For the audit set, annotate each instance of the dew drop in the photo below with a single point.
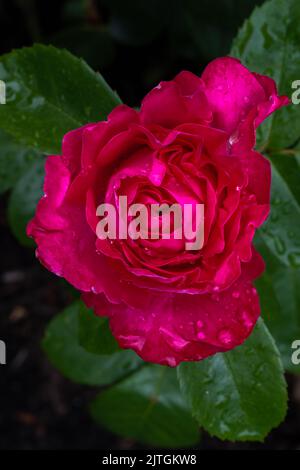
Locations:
(215, 298)
(287, 208)
(235, 294)
(171, 361)
(276, 201)
(201, 335)
(246, 319)
(225, 336)
(274, 216)
(294, 259)
(279, 246)
(233, 139)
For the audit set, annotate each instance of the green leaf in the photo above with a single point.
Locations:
(14, 161)
(23, 200)
(65, 353)
(268, 43)
(148, 407)
(281, 232)
(279, 293)
(49, 92)
(94, 333)
(241, 394)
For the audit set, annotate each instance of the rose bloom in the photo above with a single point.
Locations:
(191, 142)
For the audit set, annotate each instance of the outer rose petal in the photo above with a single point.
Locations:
(258, 170)
(233, 92)
(65, 240)
(176, 102)
(80, 147)
(171, 328)
(61, 233)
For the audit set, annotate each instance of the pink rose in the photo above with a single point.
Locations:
(192, 141)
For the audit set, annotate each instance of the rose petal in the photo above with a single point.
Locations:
(176, 102)
(236, 95)
(171, 328)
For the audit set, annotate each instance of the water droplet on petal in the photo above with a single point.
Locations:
(225, 336)
(247, 319)
(201, 335)
(136, 342)
(233, 139)
(174, 340)
(171, 361)
(235, 294)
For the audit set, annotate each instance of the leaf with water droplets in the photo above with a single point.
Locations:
(49, 92)
(14, 161)
(94, 333)
(148, 407)
(23, 200)
(240, 394)
(279, 290)
(281, 232)
(61, 343)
